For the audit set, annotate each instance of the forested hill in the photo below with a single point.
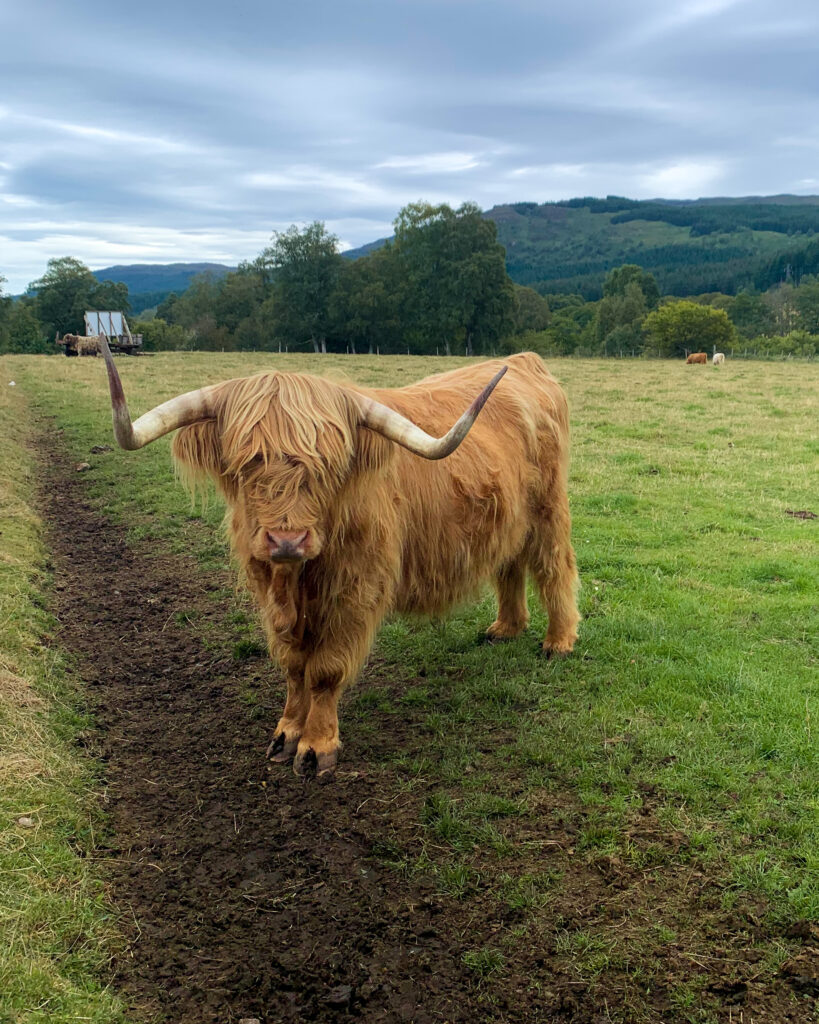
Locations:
(148, 284)
(691, 247)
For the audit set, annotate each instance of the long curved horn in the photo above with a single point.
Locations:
(398, 428)
(178, 412)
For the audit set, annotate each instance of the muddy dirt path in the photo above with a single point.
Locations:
(252, 893)
(248, 893)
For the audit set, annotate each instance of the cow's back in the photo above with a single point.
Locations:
(460, 518)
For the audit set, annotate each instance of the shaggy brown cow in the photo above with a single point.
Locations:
(336, 521)
(697, 357)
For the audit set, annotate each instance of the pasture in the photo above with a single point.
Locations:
(627, 835)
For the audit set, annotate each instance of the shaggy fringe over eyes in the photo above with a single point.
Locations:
(266, 435)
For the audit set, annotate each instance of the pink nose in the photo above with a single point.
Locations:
(284, 545)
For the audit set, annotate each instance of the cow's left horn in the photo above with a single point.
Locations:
(398, 428)
(177, 412)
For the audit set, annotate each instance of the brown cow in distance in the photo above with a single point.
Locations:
(336, 521)
(697, 357)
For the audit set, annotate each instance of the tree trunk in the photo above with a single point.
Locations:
(448, 350)
(315, 345)
(352, 347)
(469, 343)
(324, 346)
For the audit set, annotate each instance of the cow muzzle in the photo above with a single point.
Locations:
(287, 545)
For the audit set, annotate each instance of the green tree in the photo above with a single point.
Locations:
(684, 326)
(109, 295)
(160, 336)
(532, 312)
(239, 295)
(619, 319)
(629, 292)
(25, 332)
(305, 266)
(806, 300)
(166, 308)
(67, 290)
(62, 295)
(456, 292)
(750, 314)
(620, 279)
(364, 306)
(195, 310)
(782, 308)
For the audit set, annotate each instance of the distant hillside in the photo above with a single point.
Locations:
(691, 246)
(149, 283)
(365, 250)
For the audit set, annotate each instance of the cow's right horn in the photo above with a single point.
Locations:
(177, 412)
(398, 428)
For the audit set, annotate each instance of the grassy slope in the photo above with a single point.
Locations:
(55, 925)
(695, 676)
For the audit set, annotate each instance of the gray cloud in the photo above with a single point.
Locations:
(163, 132)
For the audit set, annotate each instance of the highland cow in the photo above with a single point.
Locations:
(336, 521)
(697, 357)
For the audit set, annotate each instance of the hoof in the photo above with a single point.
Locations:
(309, 765)
(555, 653)
(281, 749)
(485, 639)
(500, 632)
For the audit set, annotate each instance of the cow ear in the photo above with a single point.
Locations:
(373, 451)
(197, 455)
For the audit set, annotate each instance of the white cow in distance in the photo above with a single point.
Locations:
(719, 358)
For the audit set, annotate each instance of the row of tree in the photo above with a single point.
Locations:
(439, 286)
(632, 319)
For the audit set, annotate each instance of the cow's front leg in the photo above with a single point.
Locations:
(285, 740)
(328, 671)
(319, 744)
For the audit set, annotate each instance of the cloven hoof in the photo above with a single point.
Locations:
(310, 765)
(281, 750)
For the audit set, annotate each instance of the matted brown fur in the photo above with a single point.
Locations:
(388, 530)
(697, 357)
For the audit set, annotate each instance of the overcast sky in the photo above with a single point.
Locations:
(162, 131)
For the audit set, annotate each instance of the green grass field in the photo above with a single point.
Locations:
(693, 695)
(56, 926)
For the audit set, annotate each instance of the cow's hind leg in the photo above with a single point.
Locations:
(513, 613)
(553, 566)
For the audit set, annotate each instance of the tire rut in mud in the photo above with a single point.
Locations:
(252, 894)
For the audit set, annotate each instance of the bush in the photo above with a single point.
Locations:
(795, 345)
(160, 336)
